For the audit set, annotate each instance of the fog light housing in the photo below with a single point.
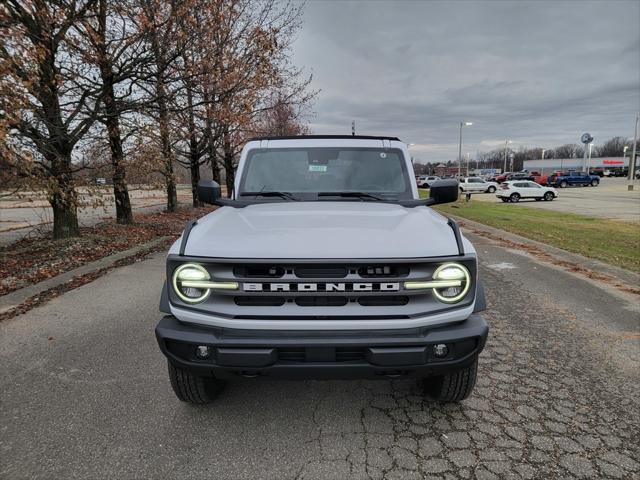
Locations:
(440, 350)
(203, 352)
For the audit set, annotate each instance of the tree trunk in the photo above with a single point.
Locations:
(172, 196)
(64, 200)
(195, 178)
(124, 214)
(210, 136)
(228, 164)
(194, 154)
(163, 119)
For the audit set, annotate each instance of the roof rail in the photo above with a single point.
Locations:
(321, 137)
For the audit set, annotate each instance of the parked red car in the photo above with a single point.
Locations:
(539, 178)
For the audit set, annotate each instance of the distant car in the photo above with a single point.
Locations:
(477, 185)
(501, 177)
(539, 178)
(514, 191)
(101, 181)
(426, 181)
(573, 178)
(520, 176)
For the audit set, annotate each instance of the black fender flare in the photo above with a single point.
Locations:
(481, 301)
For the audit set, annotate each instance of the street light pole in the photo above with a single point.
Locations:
(467, 124)
(506, 145)
(542, 167)
(632, 160)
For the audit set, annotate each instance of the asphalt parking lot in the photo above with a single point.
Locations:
(84, 394)
(610, 199)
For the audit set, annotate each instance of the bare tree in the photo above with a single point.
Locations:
(45, 109)
(112, 43)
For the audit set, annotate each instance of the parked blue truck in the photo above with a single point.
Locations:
(564, 180)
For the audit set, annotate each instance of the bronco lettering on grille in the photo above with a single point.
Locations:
(322, 287)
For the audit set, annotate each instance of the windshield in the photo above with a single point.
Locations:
(307, 172)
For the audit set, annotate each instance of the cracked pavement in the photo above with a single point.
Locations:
(84, 394)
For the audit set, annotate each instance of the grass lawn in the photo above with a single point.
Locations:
(610, 241)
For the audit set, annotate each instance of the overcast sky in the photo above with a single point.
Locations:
(539, 73)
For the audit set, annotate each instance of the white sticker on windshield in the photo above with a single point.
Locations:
(317, 168)
(383, 155)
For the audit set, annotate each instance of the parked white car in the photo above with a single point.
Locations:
(477, 185)
(514, 191)
(425, 182)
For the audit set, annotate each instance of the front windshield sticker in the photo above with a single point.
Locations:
(317, 168)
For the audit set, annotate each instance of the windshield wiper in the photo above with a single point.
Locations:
(350, 194)
(285, 195)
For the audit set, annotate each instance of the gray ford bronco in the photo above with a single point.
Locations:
(324, 263)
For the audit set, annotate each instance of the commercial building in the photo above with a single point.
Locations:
(599, 163)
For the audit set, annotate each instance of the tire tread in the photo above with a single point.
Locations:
(191, 388)
(453, 387)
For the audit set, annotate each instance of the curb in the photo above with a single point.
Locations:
(625, 276)
(16, 298)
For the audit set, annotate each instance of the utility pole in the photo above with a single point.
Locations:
(632, 160)
(467, 164)
(353, 128)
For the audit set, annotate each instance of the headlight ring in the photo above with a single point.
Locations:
(452, 272)
(190, 272)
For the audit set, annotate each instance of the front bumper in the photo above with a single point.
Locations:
(338, 354)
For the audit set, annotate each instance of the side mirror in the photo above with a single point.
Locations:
(208, 191)
(444, 191)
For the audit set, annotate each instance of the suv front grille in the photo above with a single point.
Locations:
(350, 290)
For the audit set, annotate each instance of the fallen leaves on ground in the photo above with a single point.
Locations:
(33, 260)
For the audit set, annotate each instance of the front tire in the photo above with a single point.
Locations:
(453, 387)
(514, 198)
(548, 197)
(491, 189)
(594, 183)
(192, 388)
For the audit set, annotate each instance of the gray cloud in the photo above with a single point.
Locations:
(539, 73)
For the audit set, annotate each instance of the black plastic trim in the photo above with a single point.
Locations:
(323, 137)
(481, 300)
(164, 300)
(185, 235)
(170, 331)
(456, 232)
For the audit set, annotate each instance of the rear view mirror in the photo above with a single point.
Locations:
(444, 191)
(208, 191)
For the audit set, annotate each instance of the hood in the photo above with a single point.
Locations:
(331, 230)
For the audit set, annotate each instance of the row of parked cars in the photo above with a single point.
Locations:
(508, 190)
(490, 183)
(556, 179)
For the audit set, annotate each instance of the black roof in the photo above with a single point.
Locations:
(316, 137)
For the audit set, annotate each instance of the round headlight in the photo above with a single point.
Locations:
(194, 273)
(452, 272)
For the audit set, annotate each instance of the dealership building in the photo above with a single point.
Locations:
(551, 164)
